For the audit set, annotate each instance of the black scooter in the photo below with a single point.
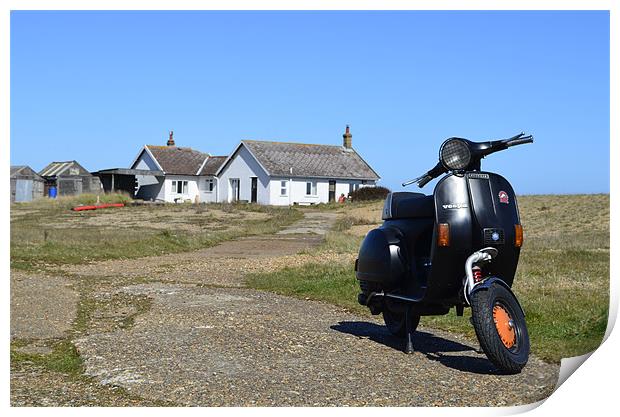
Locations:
(458, 247)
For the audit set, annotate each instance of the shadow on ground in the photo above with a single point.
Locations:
(435, 348)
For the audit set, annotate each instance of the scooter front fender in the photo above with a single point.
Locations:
(484, 285)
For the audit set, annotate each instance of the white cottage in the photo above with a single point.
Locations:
(188, 175)
(280, 173)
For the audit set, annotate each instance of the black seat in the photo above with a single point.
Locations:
(405, 205)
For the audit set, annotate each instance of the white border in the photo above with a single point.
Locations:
(591, 389)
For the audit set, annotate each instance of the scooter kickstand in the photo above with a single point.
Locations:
(409, 347)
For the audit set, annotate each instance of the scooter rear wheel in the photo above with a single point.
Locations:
(395, 322)
(501, 328)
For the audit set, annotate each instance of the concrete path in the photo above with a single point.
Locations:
(239, 347)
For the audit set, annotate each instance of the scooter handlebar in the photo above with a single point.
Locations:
(520, 141)
(425, 180)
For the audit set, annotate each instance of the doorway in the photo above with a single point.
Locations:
(254, 189)
(234, 190)
(332, 191)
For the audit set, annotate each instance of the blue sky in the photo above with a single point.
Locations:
(96, 86)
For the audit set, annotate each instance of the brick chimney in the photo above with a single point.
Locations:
(347, 138)
(170, 139)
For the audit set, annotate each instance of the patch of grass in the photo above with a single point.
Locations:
(332, 283)
(562, 280)
(344, 223)
(64, 358)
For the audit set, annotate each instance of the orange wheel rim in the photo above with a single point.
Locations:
(505, 326)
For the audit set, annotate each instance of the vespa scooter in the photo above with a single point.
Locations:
(458, 247)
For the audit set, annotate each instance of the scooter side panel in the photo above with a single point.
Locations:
(494, 209)
(452, 206)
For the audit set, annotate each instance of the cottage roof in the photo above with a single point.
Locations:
(56, 169)
(212, 165)
(306, 160)
(176, 160)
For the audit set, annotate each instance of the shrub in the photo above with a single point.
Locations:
(369, 193)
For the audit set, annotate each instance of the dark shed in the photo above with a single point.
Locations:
(26, 185)
(70, 178)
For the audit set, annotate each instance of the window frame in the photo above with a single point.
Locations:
(183, 184)
(283, 188)
(209, 185)
(313, 189)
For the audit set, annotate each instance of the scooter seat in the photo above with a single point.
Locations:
(406, 205)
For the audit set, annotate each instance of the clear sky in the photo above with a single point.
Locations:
(96, 86)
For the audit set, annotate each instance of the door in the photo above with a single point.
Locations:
(254, 189)
(23, 190)
(234, 190)
(332, 191)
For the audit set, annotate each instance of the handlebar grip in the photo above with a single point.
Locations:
(521, 141)
(425, 180)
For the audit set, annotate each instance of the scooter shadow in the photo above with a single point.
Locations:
(433, 347)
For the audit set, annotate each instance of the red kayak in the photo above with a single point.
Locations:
(100, 206)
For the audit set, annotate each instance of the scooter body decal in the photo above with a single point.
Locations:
(503, 197)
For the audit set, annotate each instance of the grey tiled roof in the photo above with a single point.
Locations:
(179, 161)
(212, 165)
(325, 161)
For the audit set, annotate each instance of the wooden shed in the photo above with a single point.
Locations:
(26, 185)
(69, 178)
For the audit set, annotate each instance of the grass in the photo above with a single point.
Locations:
(64, 357)
(562, 280)
(45, 234)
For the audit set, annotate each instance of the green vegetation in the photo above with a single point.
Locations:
(562, 281)
(46, 233)
(64, 357)
(369, 194)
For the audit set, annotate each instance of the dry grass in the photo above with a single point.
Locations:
(46, 234)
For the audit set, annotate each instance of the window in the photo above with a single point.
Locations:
(283, 187)
(311, 188)
(179, 187)
(209, 186)
(353, 187)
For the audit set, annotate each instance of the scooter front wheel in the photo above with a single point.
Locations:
(501, 328)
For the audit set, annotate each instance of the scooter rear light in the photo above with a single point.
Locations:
(443, 234)
(518, 235)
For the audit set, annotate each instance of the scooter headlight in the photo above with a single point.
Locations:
(454, 154)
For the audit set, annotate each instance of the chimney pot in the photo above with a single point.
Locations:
(170, 139)
(347, 138)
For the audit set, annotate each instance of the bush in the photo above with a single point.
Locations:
(369, 193)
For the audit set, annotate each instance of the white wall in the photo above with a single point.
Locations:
(207, 196)
(296, 190)
(149, 187)
(170, 194)
(145, 162)
(243, 166)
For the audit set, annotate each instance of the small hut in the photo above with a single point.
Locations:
(69, 178)
(26, 185)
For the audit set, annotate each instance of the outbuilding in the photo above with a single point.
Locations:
(69, 178)
(26, 185)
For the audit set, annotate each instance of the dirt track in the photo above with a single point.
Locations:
(205, 340)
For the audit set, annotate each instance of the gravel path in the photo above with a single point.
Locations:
(42, 307)
(204, 340)
(239, 347)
